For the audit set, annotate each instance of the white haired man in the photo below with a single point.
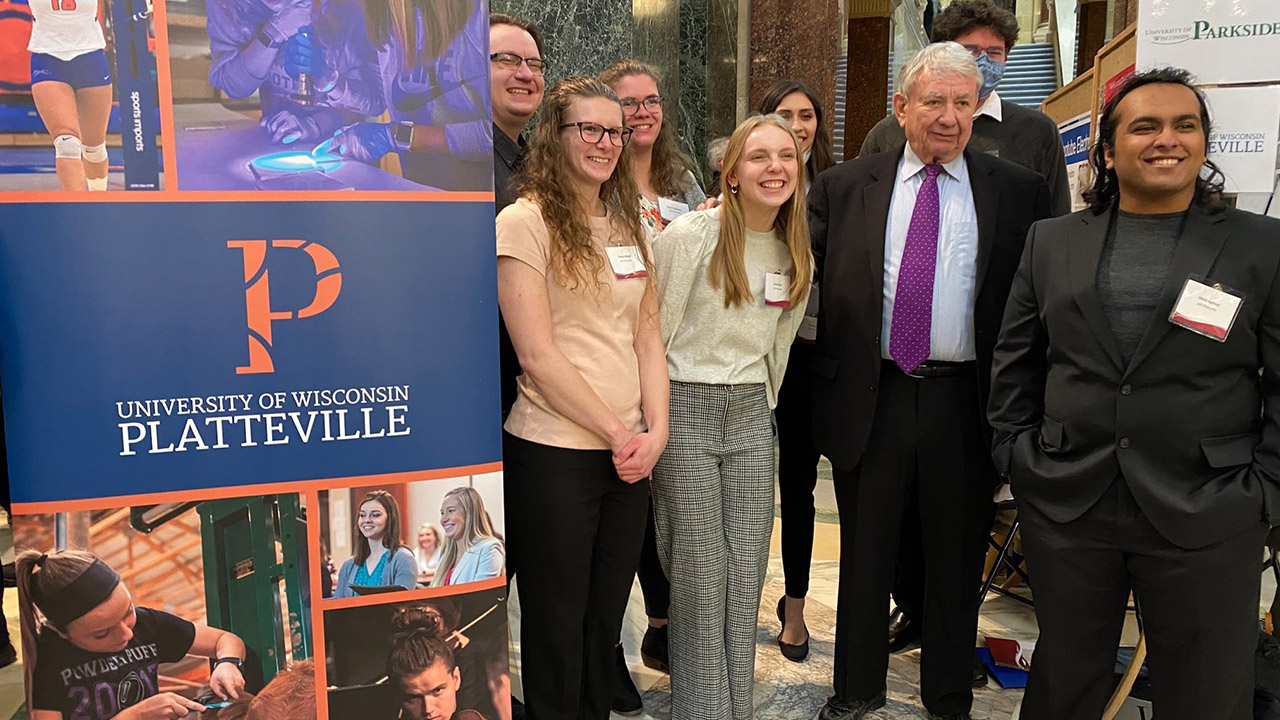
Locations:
(916, 249)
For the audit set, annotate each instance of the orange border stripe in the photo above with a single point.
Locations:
(395, 598)
(298, 486)
(176, 196)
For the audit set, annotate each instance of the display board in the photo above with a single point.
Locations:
(264, 390)
(1211, 38)
(1071, 107)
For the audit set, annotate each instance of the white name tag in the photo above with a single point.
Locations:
(1206, 308)
(626, 261)
(671, 209)
(777, 290)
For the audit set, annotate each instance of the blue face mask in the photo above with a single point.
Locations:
(992, 72)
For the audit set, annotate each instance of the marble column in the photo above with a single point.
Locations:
(582, 35)
(869, 43)
(790, 44)
(1091, 32)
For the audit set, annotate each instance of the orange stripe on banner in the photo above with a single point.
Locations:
(297, 486)
(164, 88)
(317, 621)
(394, 598)
(171, 196)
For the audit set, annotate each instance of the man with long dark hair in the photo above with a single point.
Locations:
(1137, 414)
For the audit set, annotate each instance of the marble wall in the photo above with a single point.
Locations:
(800, 45)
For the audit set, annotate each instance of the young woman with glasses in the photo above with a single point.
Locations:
(664, 174)
(733, 282)
(590, 418)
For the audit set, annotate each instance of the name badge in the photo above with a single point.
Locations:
(626, 262)
(777, 290)
(1206, 308)
(671, 209)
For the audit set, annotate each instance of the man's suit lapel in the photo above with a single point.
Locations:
(876, 197)
(1197, 248)
(1083, 255)
(986, 204)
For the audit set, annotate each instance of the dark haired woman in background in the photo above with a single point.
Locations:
(590, 417)
(797, 460)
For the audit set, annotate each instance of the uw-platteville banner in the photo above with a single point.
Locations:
(250, 389)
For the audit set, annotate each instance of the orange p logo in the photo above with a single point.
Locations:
(257, 294)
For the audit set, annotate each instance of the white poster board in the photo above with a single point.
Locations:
(1219, 42)
(1246, 129)
(1075, 146)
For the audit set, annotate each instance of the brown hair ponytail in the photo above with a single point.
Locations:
(43, 573)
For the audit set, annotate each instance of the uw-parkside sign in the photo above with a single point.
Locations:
(1219, 42)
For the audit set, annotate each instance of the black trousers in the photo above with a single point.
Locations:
(654, 584)
(926, 443)
(580, 529)
(797, 468)
(1199, 611)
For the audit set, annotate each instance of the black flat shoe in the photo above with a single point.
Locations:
(653, 649)
(794, 653)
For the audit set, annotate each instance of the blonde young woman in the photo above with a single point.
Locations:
(733, 282)
(590, 417)
(664, 175)
(472, 549)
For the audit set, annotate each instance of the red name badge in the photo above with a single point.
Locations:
(626, 262)
(1207, 308)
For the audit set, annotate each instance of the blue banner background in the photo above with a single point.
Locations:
(107, 302)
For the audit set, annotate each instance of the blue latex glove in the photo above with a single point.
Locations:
(364, 141)
(286, 127)
(303, 54)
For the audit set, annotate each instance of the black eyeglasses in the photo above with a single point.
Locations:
(591, 133)
(511, 61)
(631, 106)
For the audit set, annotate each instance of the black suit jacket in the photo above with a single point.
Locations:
(848, 213)
(1190, 423)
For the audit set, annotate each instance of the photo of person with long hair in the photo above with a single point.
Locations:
(89, 652)
(427, 553)
(472, 549)
(380, 559)
(422, 668)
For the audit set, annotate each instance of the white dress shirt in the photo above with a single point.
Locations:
(951, 335)
(991, 107)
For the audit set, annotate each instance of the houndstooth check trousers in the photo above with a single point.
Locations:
(713, 502)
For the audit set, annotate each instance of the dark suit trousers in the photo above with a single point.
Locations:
(926, 443)
(1199, 610)
(580, 528)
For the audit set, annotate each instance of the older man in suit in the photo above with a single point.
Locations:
(916, 249)
(1137, 413)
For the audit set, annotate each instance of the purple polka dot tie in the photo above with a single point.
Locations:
(913, 299)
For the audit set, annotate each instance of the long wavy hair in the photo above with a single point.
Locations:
(544, 180)
(478, 526)
(670, 164)
(821, 156)
(442, 20)
(390, 534)
(1106, 188)
(728, 266)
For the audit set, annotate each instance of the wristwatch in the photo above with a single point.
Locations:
(402, 135)
(238, 662)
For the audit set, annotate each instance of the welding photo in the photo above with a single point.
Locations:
(442, 658)
(78, 96)
(380, 95)
(184, 607)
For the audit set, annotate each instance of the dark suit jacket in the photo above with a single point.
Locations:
(848, 212)
(1190, 423)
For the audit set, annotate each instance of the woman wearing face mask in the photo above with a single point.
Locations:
(797, 460)
(90, 621)
(733, 282)
(590, 417)
(472, 549)
(663, 174)
(381, 560)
